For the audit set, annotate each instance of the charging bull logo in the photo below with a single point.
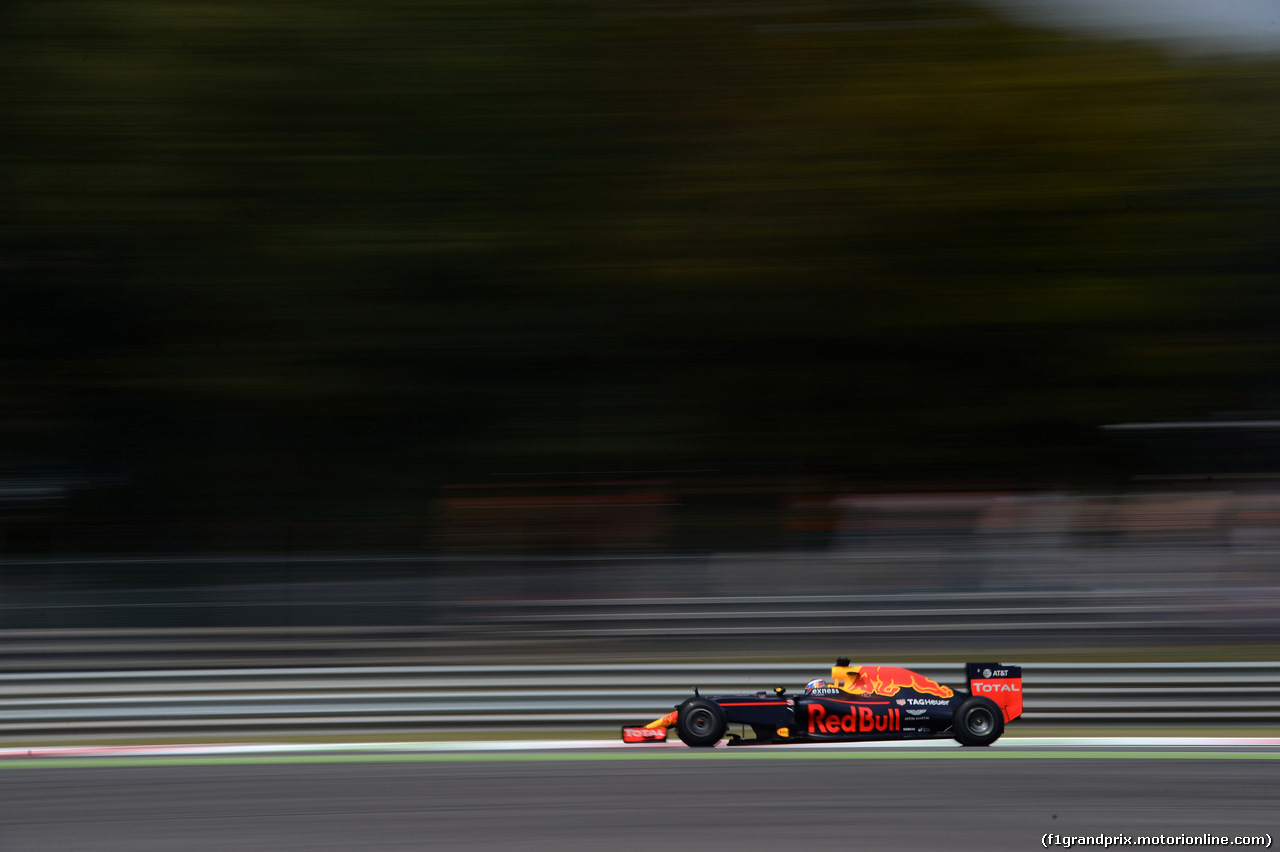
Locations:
(859, 720)
(666, 721)
(887, 680)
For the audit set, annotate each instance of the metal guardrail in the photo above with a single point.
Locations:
(400, 698)
(417, 629)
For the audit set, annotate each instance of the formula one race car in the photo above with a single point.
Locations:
(859, 703)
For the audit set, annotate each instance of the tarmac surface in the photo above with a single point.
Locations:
(597, 796)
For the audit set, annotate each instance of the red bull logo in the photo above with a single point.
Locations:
(888, 680)
(859, 720)
(666, 721)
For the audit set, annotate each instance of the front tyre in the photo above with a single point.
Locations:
(700, 723)
(978, 722)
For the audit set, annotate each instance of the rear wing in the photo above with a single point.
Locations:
(1001, 683)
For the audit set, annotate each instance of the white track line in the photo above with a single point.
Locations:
(543, 745)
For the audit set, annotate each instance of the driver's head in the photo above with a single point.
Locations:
(816, 683)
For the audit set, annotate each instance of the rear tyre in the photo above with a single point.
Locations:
(700, 723)
(978, 722)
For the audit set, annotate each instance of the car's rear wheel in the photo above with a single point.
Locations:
(978, 722)
(700, 723)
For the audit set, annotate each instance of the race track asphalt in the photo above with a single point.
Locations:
(955, 800)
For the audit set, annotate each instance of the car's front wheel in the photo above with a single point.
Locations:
(700, 723)
(978, 722)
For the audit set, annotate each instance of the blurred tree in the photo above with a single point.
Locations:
(280, 260)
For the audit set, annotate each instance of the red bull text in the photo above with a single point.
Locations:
(859, 720)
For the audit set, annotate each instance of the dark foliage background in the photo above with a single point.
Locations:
(273, 275)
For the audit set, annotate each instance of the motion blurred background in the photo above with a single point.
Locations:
(570, 330)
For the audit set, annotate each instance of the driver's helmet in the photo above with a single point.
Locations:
(816, 683)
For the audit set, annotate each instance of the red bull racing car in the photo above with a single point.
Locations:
(858, 703)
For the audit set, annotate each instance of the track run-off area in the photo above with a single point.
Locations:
(1226, 748)
(585, 794)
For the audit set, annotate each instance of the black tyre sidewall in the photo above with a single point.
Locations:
(962, 717)
(700, 708)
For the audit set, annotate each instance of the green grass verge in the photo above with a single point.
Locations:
(597, 757)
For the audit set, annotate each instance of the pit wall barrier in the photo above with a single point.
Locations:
(318, 699)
